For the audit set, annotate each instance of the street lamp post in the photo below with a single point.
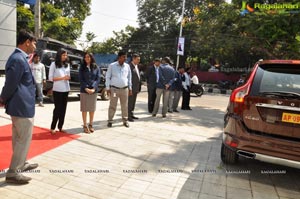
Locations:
(37, 19)
(180, 31)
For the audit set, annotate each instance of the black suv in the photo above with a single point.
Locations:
(48, 56)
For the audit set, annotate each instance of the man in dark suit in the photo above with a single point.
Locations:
(18, 97)
(136, 86)
(166, 75)
(151, 83)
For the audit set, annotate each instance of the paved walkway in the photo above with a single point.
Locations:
(156, 158)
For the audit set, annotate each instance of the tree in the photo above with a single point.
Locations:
(159, 22)
(61, 20)
(214, 31)
(90, 36)
(223, 34)
(118, 42)
(106, 47)
(159, 28)
(25, 18)
(79, 9)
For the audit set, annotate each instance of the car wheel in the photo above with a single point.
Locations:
(228, 156)
(104, 95)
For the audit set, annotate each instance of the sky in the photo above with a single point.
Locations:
(108, 16)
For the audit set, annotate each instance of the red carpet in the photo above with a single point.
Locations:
(42, 141)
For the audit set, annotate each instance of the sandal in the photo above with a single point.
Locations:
(52, 131)
(85, 129)
(91, 128)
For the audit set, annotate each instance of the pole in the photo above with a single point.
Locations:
(180, 31)
(37, 19)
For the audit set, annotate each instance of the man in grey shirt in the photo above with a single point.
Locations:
(118, 86)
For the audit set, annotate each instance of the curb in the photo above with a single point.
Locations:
(217, 90)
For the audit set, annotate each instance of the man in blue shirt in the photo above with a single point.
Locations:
(18, 96)
(118, 86)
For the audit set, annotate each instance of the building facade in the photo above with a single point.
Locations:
(8, 26)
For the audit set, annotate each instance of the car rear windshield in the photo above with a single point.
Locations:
(277, 78)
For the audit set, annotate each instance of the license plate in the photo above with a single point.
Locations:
(291, 118)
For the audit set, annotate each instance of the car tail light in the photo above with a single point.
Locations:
(238, 95)
(230, 141)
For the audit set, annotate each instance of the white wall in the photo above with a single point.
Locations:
(8, 26)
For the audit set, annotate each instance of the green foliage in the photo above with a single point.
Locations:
(106, 47)
(90, 36)
(215, 33)
(25, 18)
(112, 45)
(49, 12)
(63, 29)
(224, 35)
(61, 20)
(79, 9)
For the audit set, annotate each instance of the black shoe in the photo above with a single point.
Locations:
(176, 111)
(126, 124)
(189, 109)
(136, 118)
(183, 109)
(130, 120)
(153, 115)
(19, 179)
(28, 167)
(164, 116)
(170, 111)
(109, 124)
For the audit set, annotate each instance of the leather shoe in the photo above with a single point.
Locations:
(136, 118)
(28, 167)
(176, 111)
(164, 116)
(130, 120)
(19, 179)
(126, 124)
(109, 124)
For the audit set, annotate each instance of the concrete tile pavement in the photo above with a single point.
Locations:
(156, 158)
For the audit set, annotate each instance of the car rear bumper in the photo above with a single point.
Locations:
(260, 147)
(269, 159)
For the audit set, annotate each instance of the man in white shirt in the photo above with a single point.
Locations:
(39, 74)
(186, 84)
(194, 79)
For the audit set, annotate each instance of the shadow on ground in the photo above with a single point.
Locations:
(203, 173)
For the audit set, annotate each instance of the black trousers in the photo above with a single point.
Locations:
(60, 107)
(131, 104)
(185, 99)
(151, 99)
